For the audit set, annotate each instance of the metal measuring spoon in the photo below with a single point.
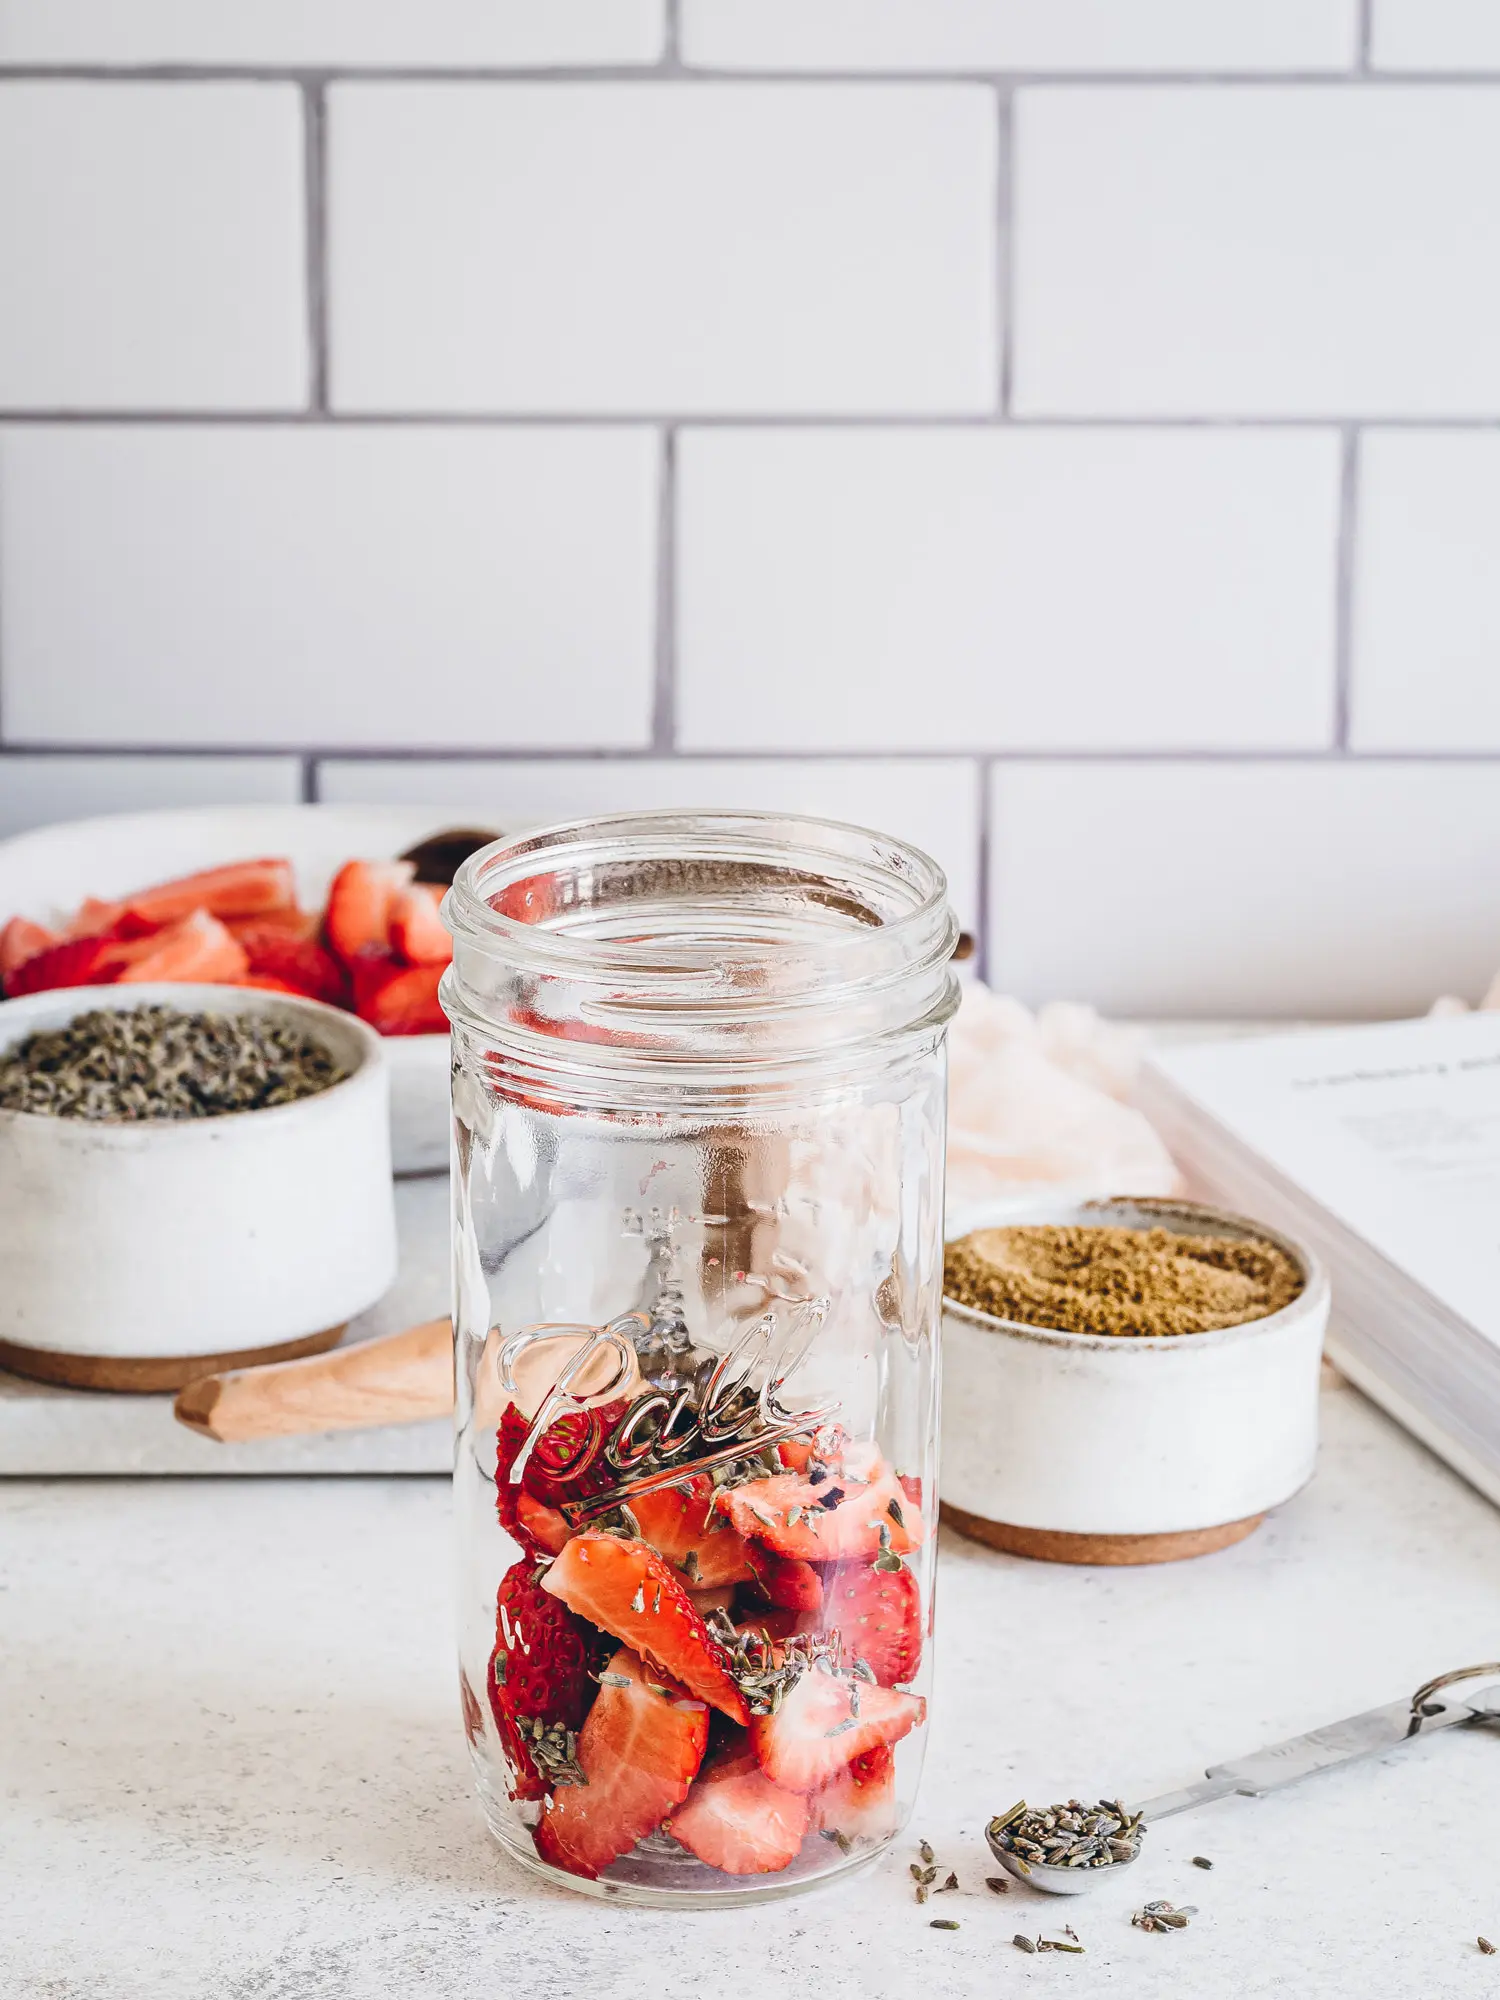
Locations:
(1346, 1742)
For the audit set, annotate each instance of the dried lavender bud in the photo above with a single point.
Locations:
(1202, 1861)
(130, 1065)
(1487, 1948)
(1023, 1943)
(941, 1924)
(997, 1885)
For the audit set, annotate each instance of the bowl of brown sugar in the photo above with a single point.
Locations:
(1125, 1381)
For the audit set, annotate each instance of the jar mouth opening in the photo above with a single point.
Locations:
(682, 893)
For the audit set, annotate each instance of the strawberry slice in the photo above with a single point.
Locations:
(397, 999)
(290, 952)
(639, 1750)
(540, 1525)
(538, 1675)
(92, 918)
(878, 1614)
(736, 1820)
(824, 1722)
(825, 1445)
(632, 1591)
(240, 889)
(683, 1524)
(197, 948)
(789, 1584)
(861, 1801)
(360, 903)
(84, 961)
(833, 1518)
(417, 933)
(22, 939)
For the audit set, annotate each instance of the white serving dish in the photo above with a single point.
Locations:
(126, 1247)
(1091, 1448)
(47, 873)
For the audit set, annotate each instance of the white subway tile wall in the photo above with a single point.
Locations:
(417, 34)
(152, 241)
(1120, 35)
(720, 247)
(1436, 35)
(35, 790)
(1059, 431)
(1255, 251)
(932, 801)
(350, 586)
(1006, 589)
(1427, 592)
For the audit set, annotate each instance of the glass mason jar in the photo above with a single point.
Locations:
(699, 1097)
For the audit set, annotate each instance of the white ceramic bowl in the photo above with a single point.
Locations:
(131, 1254)
(1092, 1448)
(46, 874)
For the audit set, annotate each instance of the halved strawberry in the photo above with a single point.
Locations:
(824, 1722)
(736, 1820)
(720, 1598)
(639, 1749)
(22, 939)
(878, 1615)
(826, 1445)
(92, 918)
(417, 933)
(239, 889)
(789, 1584)
(634, 1592)
(861, 1801)
(831, 1520)
(683, 1524)
(397, 999)
(196, 948)
(539, 1673)
(360, 903)
(84, 961)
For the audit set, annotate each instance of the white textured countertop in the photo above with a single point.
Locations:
(231, 1762)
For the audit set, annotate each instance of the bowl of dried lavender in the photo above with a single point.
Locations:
(190, 1177)
(1125, 1381)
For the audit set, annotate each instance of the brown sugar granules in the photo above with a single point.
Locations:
(1139, 1283)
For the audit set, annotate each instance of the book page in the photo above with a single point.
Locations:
(1393, 1128)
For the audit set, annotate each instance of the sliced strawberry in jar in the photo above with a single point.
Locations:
(835, 1519)
(878, 1616)
(824, 1722)
(639, 1750)
(789, 1584)
(198, 948)
(540, 1525)
(736, 1820)
(682, 1522)
(539, 1683)
(631, 1590)
(360, 905)
(417, 933)
(860, 1803)
(22, 939)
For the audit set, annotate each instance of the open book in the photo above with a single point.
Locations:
(1379, 1147)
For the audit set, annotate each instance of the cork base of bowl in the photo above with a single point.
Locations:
(1054, 1545)
(156, 1374)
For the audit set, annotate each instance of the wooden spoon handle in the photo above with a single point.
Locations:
(398, 1379)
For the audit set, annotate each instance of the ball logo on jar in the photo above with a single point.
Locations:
(664, 1433)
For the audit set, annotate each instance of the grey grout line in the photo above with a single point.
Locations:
(965, 753)
(718, 420)
(1366, 34)
(315, 168)
(671, 60)
(1344, 582)
(697, 73)
(1005, 241)
(309, 781)
(664, 687)
(982, 883)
